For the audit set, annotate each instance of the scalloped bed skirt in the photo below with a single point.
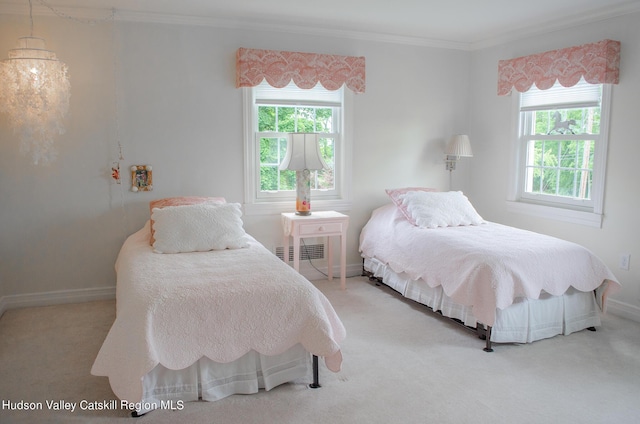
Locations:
(525, 321)
(211, 381)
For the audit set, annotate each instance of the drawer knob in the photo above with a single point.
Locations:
(321, 228)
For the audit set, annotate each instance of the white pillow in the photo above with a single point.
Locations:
(198, 228)
(440, 209)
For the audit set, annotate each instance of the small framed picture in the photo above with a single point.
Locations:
(141, 178)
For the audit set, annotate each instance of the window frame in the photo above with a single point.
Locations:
(260, 203)
(576, 211)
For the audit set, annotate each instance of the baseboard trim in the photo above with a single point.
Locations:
(624, 310)
(87, 295)
(614, 307)
(55, 298)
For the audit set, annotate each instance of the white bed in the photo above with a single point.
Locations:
(519, 285)
(211, 323)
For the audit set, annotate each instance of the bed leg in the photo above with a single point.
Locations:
(316, 380)
(487, 334)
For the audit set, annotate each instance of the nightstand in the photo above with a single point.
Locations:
(318, 224)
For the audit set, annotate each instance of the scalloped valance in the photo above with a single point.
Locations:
(598, 63)
(305, 69)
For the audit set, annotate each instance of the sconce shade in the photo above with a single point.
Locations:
(459, 146)
(34, 92)
(303, 155)
(303, 152)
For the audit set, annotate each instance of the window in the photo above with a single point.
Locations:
(561, 152)
(270, 114)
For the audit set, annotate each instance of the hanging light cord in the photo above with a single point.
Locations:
(116, 65)
(110, 17)
(31, 17)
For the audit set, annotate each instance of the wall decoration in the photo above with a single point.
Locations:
(141, 178)
(115, 172)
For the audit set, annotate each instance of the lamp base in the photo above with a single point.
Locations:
(303, 192)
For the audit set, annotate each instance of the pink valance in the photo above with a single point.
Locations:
(598, 63)
(305, 69)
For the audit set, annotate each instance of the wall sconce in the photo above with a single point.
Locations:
(459, 146)
(303, 156)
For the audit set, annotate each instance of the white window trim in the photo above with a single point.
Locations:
(515, 202)
(255, 206)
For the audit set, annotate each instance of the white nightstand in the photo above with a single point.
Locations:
(318, 224)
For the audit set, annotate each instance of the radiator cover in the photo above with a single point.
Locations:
(309, 251)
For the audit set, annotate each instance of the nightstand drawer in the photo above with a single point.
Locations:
(320, 228)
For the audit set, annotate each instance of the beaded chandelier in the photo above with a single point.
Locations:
(34, 93)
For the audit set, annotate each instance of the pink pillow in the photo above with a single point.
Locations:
(395, 194)
(180, 201)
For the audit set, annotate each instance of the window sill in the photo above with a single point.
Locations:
(274, 208)
(589, 219)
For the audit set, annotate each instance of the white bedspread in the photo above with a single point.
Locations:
(483, 266)
(173, 309)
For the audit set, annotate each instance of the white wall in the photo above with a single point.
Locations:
(179, 111)
(61, 226)
(491, 136)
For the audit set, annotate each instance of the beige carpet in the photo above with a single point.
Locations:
(402, 364)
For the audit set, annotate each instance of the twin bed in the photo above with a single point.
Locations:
(204, 311)
(510, 285)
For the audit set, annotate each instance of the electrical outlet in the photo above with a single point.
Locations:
(625, 258)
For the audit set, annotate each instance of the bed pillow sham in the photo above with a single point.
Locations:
(179, 201)
(395, 196)
(440, 209)
(198, 228)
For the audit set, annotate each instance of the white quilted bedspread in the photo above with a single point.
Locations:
(484, 266)
(173, 309)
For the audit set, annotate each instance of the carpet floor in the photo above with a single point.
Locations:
(402, 364)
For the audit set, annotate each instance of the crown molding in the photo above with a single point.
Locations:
(557, 25)
(93, 15)
(100, 15)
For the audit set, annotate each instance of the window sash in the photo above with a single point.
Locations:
(566, 207)
(581, 181)
(526, 138)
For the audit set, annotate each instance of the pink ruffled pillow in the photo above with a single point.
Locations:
(180, 201)
(395, 194)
